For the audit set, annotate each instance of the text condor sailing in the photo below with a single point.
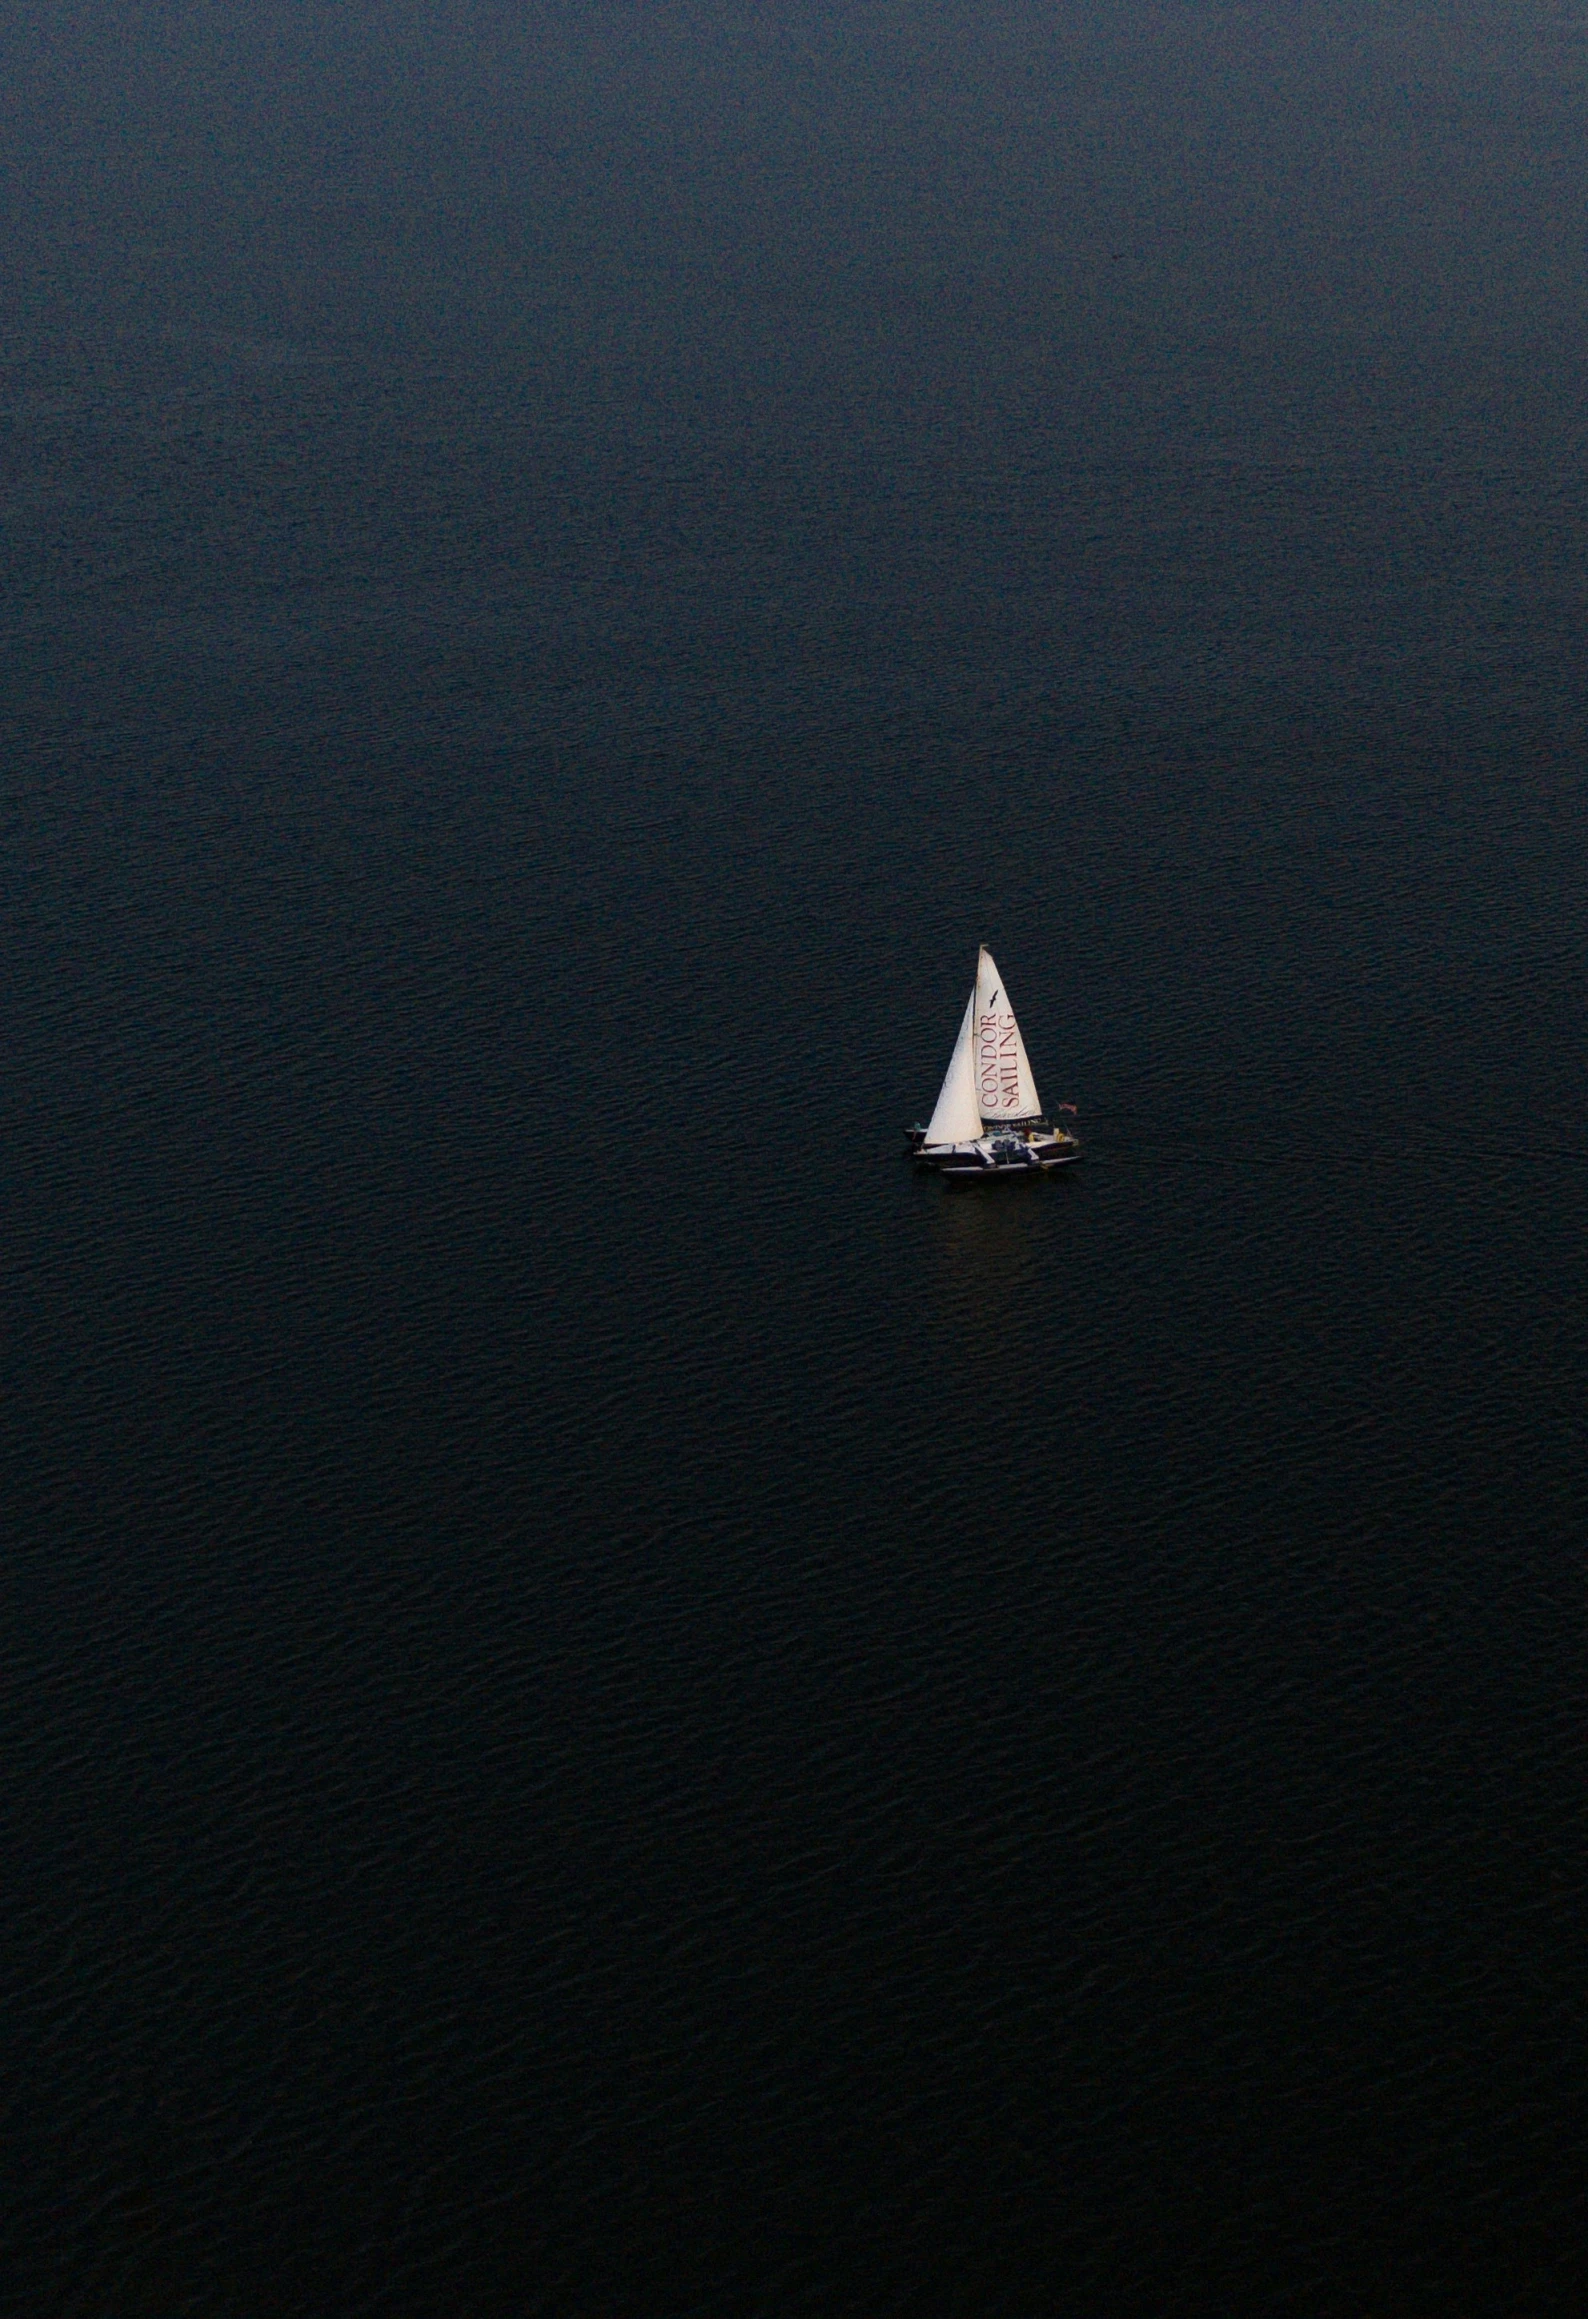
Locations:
(988, 1120)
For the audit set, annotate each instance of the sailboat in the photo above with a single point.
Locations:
(988, 1120)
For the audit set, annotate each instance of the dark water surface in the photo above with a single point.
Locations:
(614, 1705)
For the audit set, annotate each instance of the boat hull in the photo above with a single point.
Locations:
(1032, 1152)
(973, 1172)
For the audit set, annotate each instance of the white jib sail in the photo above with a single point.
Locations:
(956, 1119)
(1005, 1088)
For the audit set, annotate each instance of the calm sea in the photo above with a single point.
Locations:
(613, 1704)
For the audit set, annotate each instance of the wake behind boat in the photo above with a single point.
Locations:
(988, 1120)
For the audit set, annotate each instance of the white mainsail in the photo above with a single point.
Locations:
(1004, 1087)
(957, 1119)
